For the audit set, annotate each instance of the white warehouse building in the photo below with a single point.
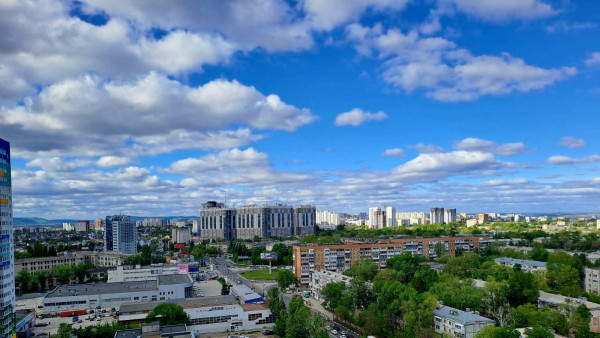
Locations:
(91, 295)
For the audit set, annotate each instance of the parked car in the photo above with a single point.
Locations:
(267, 332)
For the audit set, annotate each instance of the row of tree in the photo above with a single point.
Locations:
(295, 320)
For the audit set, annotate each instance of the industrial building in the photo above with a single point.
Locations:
(341, 257)
(92, 295)
(246, 295)
(219, 222)
(154, 330)
(132, 273)
(208, 314)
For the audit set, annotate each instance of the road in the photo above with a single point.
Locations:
(232, 274)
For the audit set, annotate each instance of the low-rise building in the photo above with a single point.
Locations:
(208, 314)
(154, 330)
(321, 278)
(103, 259)
(458, 323)
(45, 263)
(129, 273)
(526, 265)
(246, 295)
(555, 301)
(92, 295)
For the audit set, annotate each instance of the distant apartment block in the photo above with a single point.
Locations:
(321, 278)
(218, 221)
(457, 323)
(82, 226)
(526, 265)
(328, 219)
(410, 218)
(436, 215)
(483, 218)
(449, 215)
(155, 222)
(120, 234)
(341, 257)
(181, 235)
(98, 224)
(390, 217)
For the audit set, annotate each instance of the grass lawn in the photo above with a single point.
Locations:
(259, 275)
(242, 264)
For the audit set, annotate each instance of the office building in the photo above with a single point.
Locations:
(130, 273)
(82, 226)
(526, 265)
(120, 234)
(218, 221)
(208, 314)
(328, 219)
(90, 295)
(390, 217)
(458, 323)
(436, 215)
(482, 218)
(7, 248)
(341, 257)
(449, 215)
(181, 235)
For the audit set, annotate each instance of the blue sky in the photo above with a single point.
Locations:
(151, 109)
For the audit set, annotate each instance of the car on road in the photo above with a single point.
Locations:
(334, 331)
(267, 332)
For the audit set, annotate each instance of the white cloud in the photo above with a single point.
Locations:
(445, 72)
(561, 160)
(112, 161)
(394, 152)
(357, 116)
(504, 149)
(593, 60)
(426, 148)
(564, 27)
(91, 117)
(504, 10)
(572, 142)
(327, 14)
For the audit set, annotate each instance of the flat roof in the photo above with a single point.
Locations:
(135, 333)
(92, 289)
(187, 303)
(174, 279)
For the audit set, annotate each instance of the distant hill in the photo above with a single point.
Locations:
(36, 222)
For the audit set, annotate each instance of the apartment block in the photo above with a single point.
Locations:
(82, 226)
(591, 283)
(218, 221)
(457, 323)
(7, 248)
(341, 257)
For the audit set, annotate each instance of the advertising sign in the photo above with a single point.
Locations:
(183, 268)
(268, 256)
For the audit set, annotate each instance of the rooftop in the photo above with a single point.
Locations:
(462, 317)
(506, 260)
(168, 330)
(554, 299)
(185, 303)
(174, 279)
(92, 289)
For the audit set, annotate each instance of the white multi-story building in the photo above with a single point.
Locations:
(410, 217)
(591, 282)
(7, 249)
(436, 215)
(328, 219)
(90, 295)
(181, 235)
(372, 218)
(449, 215)
(390, 217)
(120, 234)
(320, 279)
(68, 226)
(458, 323)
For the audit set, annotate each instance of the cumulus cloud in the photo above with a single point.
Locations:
(357, 116)
(151, 114)
(504, 10)
(394, 152)
(327, 14)
(572, 142)
(504, 149)
(426, 148)
(562, 160)
(593, 60)
(565, 27)
(445, 72)
(112, 161)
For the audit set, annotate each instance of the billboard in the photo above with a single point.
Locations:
(183, 268)
(268, 256)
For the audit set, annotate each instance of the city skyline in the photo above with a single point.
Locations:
(479, 106)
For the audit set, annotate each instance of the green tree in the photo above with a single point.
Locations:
(424, 278)
(540, 332)
(461, 294)
(298, 319)
(539, 253)
(463, 266)
(81, 271)
(64, 331)
(491, 331)
(365, 268)
(41, 277)
(24, 278)
(525, 315)
(285, 278)
(522, 288)
(168, 314)
(333, 294)
(63, 273)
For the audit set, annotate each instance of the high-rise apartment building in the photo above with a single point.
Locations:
(7, 270)
(390, 217)
(372, 218)
(82, 226)
(328, 219)
(120, 234)
(218, 221)
(449, 215)
(482, 218)
(98, 224)
(410, 217)
(436, 215)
